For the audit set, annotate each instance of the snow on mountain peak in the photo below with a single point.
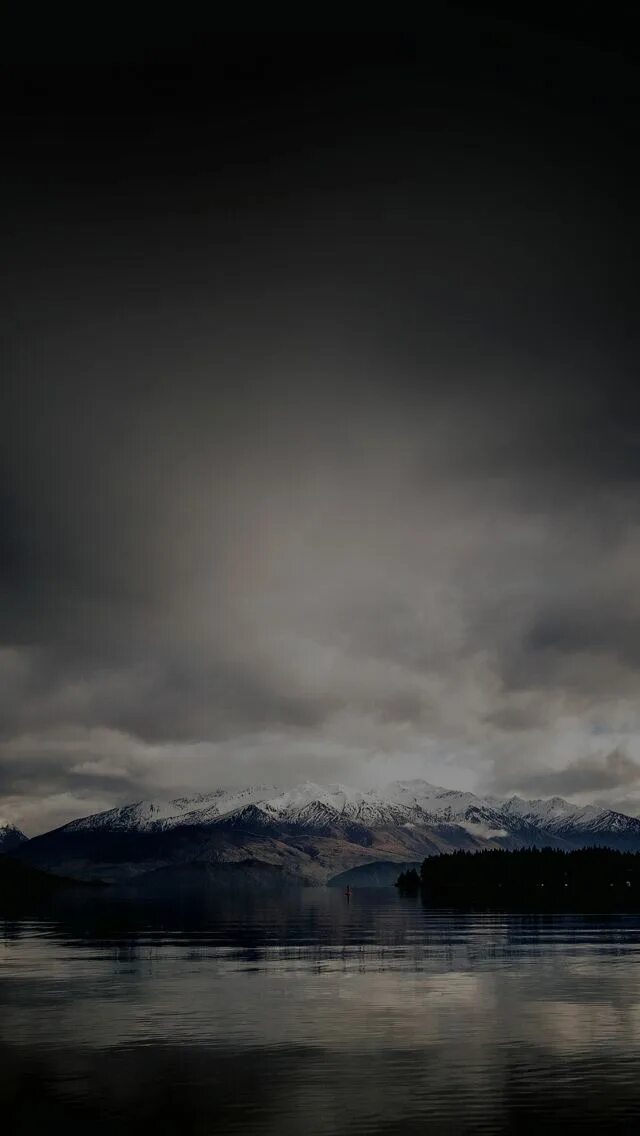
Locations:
(151, 815)
(412, 804)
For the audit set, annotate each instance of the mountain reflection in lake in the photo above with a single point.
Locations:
(305, 1013)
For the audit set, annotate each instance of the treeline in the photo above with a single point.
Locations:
(533, 877)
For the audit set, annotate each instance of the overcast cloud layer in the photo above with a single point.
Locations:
(320, 449)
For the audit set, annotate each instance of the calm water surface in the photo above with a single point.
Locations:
(308, 1014)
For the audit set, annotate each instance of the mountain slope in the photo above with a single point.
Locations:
(381, 873)
(195, 875)
(314, 832)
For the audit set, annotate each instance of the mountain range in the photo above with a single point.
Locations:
(311, 833)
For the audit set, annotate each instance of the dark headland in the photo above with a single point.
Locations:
(20, 883)
(588, 879)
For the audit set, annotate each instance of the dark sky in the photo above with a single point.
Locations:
(320, 423)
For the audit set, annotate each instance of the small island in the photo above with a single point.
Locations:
(593, 879)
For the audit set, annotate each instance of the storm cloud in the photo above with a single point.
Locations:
(319, 441)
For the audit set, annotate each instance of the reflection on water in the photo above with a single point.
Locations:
(303, 1013)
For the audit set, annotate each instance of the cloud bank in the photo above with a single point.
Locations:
(332, 477)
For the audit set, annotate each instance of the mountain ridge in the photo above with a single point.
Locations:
(398, 801)
(314, 831)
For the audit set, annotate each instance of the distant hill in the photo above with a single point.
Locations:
(380, 873)
(313, 833)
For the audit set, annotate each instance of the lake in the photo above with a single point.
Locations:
(305, 1013)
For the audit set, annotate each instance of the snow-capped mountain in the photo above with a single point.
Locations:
(315, 831)
(400, 803)
(10, 838)
(148, 816)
